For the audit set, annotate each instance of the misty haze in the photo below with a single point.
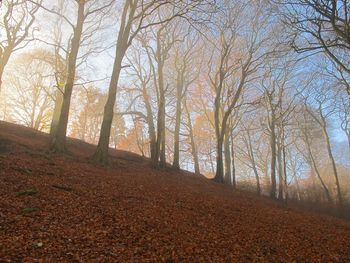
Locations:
(174, 131)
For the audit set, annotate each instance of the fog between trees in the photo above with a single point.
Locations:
(254, 94)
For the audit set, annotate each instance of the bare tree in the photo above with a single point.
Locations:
(308, 131)
(236, 65)
(17, 23)
(320, 26)
(86, 125)
(85, 10)
(194, 150)
(344, 115)
(136, 16)
(31, 95)
(144, 74)
(247, 139)
(185, 75)
(321, 107)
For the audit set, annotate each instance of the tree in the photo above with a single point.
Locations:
(85, 10)
(60, 70)
(344, 115)
(235, 60)
(250, 152)
(136, 16)
(17, 23)
(134, 140)
(320, 107)
(308, 132)
(88, 118)
(185, 54)
(30, 85)
(144, 89)
(165, 40)
(194, 150)
(320, 25)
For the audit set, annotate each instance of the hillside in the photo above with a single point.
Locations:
(61, 208)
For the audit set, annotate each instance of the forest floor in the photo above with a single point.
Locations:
(61, 208)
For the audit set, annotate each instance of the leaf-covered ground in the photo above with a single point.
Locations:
(62, 209)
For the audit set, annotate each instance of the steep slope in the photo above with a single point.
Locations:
(61, 208)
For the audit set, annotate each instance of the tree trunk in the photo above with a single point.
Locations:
(313, 163)
(160, 149)
(101, 154)
(334, 167)
(219, 174)
(2, 67)
(4, 58)
(234, 184)
(56, 112)
(162, 162)
(298, 188)
(280, 170)
(220, 135)
(219, 161)
(42, 109)
(176, 161)
(227, 153)
(285, 185)
(193, 144)
(252, 160)
(273, 162)
(58, 142)
(150, 122)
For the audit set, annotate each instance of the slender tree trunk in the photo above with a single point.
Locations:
(285, 185)
(58, 142)
(334, 166)
(2, 67)
(176, 161)
(234, 184)
(33, 110)
(258, 187)
(227, 153)
(252, 160)
(162, 162)
(233, 169)
(211, 163)
(40, 114)
(273, 161)
(193, 144)
(314, 166)
(160, 149)
(195, 156)
(219, 175)
(150, 122)
(298, 188)
(280, 170)
(152, 137)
